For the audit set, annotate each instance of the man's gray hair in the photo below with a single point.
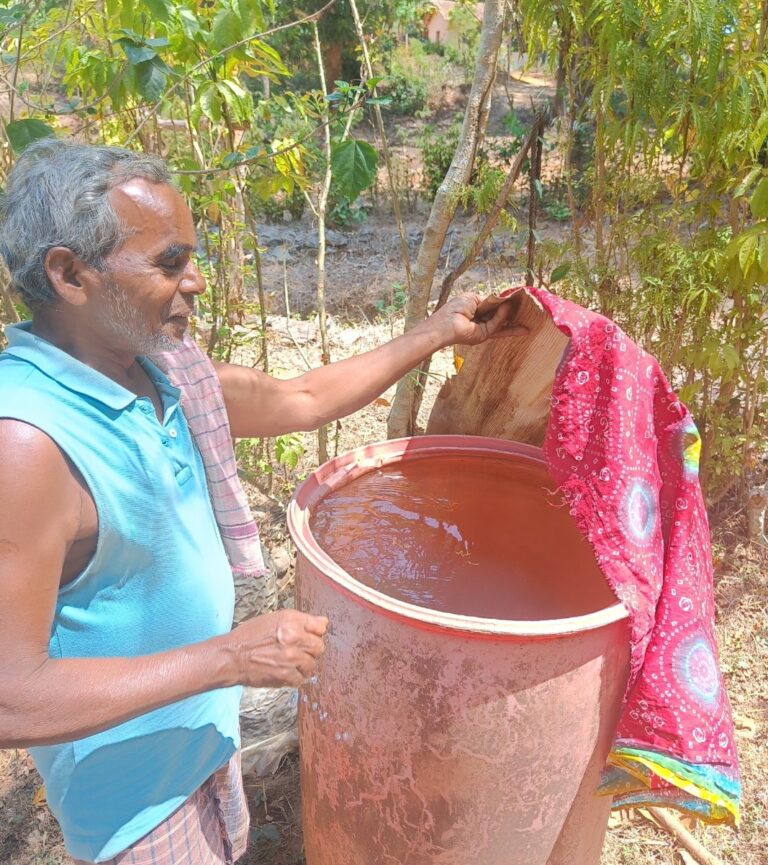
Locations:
(58, 195)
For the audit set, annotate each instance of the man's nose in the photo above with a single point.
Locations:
(193, 281)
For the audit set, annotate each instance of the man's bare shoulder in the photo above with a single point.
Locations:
(27, 438)
(32, 465)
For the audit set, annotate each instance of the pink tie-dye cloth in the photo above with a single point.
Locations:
(625, 452)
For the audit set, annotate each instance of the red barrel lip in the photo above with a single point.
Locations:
(352, 464)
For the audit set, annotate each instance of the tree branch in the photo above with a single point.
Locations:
(493, 217)
(670, 824)
(404, 252)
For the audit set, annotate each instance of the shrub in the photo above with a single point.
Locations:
(437, 149)
(414, 79)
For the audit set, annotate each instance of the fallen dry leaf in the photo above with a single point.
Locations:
(622, 817)
(745, 727)
(38, 800)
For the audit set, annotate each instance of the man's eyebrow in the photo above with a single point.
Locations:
(174, 251)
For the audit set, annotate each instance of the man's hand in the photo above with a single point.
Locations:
(459, 323)
(278, 649)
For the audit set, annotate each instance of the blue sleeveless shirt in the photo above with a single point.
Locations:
(159, 579)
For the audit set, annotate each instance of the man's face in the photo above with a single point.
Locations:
(150, 282)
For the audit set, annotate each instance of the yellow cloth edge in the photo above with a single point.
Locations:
(625, 761)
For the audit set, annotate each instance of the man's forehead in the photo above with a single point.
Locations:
(153, 209)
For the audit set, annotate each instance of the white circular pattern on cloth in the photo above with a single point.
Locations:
(697, 669)
(640, 511)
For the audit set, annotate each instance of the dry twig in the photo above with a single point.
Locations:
(672, 825)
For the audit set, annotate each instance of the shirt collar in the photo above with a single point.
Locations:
(75, 375)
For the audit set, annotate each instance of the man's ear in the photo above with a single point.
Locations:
(70, 276)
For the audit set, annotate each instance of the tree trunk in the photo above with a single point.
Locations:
(322, 207)
(534, 187)
(561, 80)
(404, 252)
(332, 62)
(757, 505)
(408, 397)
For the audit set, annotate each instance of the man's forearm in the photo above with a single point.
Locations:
(60, 700)
(259, 405)
(67, 699)
(345, 386)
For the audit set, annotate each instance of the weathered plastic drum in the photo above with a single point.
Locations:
(431, 738)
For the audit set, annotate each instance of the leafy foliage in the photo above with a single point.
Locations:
(667, 115)
(21, 133)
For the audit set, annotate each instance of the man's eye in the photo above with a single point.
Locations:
(177, 264)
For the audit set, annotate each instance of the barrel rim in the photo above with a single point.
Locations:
(344, 468)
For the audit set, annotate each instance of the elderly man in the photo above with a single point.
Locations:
(121, 670)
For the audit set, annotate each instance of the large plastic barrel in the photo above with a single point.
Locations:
(432, 738)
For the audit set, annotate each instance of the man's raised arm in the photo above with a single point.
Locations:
(259, 405)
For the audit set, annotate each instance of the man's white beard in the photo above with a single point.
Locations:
(126, 323)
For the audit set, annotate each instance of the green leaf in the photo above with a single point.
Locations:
(268, 57)
(150, 79)
(250, 13)
(762, 255)
(354, 167)
(227, 29)
(234, 87)
(161, 10)
(210, 102)
(136, 53)
(132, 35)
(759, 202)
(189, 23)
(747, 254)
(11, 15)
(21, 133)
(230, 160)
(734, 247)
(560, 272)
(289, 449)
(742, 188)
(238, 100)
(731, 357)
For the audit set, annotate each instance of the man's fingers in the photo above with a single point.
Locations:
(501, 323)
(313, 646)
(510, 330)
(307, 665)
(316, 624)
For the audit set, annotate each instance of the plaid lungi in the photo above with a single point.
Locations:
(210, 828)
